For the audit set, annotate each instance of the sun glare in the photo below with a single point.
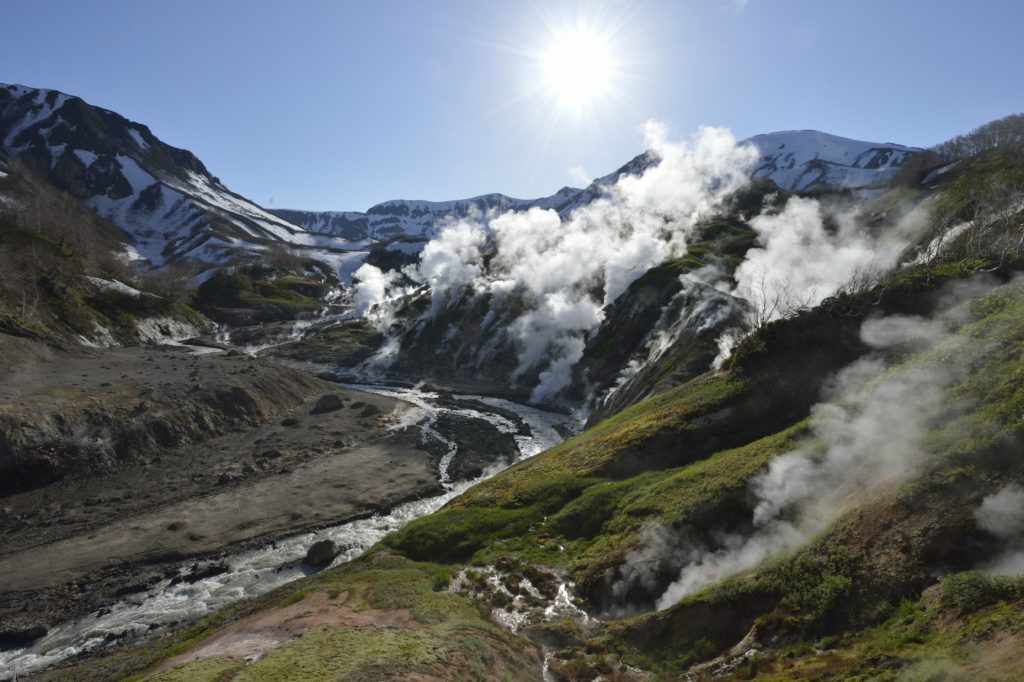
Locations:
(577, 67)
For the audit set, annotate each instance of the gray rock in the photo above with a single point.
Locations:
(228, 477)
(321, 554)
(329, 402)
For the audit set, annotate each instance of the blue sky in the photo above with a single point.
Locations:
(339, 105)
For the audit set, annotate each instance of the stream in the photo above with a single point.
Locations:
(257, 571)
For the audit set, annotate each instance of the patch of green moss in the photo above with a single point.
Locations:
(324, 653)
(204, 670)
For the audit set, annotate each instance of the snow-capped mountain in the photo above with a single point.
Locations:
(402, 218)
(172, 207)
(798, 160)
(164, 198)
(794, 160)
(420, 220)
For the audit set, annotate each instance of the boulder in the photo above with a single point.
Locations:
(321, 554)
(329, 402)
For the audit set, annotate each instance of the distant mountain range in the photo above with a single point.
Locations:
(172, 207)
(795, 160)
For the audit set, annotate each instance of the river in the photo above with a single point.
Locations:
(257, 571)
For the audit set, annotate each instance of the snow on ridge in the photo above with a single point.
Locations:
(39, 110)
(85, 156)
(137, 136)
(800, 159)
(417, 217)
(133, 173)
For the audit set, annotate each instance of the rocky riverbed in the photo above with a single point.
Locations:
(136, 474)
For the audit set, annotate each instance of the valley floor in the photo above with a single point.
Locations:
(104, 530)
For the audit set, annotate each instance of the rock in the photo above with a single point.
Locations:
(271, 454)
(21, 634)
(370, 411)
(228, 477)
(321, 554)
(329, 402)
(356, 405)
(198, 572)
(290, 422)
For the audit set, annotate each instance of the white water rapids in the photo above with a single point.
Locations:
(255, 572)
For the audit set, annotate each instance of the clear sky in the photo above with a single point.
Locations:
(339, 105)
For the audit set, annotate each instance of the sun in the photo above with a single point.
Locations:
(577, 67)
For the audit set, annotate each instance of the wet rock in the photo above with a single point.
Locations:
(21, 634)
(370, 411)
(321, 554)
(197, 573)
(328, 403)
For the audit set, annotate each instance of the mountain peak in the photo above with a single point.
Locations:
(801, 159)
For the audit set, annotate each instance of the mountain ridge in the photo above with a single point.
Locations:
(796, 160)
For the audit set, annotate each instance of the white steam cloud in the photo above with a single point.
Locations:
(866, 437)
(1002, 514)
(370, 292)
(558, 274)
(808, 252)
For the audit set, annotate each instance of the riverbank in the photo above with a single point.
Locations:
(101, 519)
(157, 535)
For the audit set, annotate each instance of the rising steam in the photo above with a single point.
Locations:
(559, 274)
(1002, 514)
(866, 435)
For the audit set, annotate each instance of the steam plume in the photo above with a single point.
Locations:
(1002, 514)
(558, 274)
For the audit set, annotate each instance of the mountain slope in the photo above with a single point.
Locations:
(164, 198)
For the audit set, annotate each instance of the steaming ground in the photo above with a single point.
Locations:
(866, 435)
(550, 279)
(1002, 514)
(547, 281)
